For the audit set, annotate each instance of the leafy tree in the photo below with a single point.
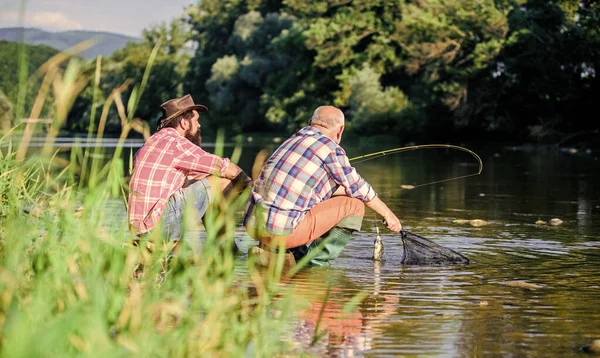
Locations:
(375, 110)
(9, 77)
(259, 66)
(544, 81)
(446, 45)
(129, 64)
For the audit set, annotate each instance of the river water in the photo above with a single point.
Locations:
(530, 289)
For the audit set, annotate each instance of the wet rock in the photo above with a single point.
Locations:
(407, 187)
(556, 221)
(523, 284)
(461, 221)
(446, 314)
(593, 348)
(478, 222)
(540, 222)
(474, 222)
(480, 303)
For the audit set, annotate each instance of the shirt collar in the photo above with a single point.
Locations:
(311, 130)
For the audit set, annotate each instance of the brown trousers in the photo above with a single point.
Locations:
(320, 219)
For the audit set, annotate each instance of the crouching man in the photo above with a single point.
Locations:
(171, 170)
(308, 196)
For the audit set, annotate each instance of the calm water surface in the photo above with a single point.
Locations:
(471, 310)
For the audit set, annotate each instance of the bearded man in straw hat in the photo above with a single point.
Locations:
(171, 169)
(308, 197)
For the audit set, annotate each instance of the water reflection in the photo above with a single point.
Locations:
(473, 310)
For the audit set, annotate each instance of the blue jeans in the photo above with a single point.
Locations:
(199, 194)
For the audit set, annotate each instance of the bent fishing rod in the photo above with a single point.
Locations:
(366, 157)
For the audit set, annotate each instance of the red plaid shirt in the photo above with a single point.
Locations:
(160, 168)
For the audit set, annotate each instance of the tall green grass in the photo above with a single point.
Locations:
(72, 282)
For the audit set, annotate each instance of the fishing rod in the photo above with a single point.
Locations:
(366, 157)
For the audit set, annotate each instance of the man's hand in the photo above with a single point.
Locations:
(392, 223)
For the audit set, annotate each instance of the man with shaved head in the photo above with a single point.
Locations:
(308, 197)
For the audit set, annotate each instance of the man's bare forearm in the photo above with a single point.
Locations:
(382, 209)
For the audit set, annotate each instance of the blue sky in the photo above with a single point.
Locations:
(127, 17)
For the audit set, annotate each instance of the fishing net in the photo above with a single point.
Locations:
(421, 251)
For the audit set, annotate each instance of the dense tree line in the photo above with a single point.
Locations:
(427, 69)
(11, 56)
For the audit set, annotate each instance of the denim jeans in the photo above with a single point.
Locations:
(198, 194)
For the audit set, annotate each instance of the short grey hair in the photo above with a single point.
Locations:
(325, 117)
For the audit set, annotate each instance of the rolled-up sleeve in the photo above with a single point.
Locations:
(198, 161)
(338, 166)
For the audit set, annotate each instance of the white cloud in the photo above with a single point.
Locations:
(51, 20)
(8, 18)
(47, 20)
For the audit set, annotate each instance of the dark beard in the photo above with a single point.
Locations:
(194, 138)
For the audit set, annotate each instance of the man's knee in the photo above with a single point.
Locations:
(357, 207)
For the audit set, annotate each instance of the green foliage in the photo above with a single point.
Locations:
(73, 284)
(374, 110)
(447, 43)
(254, 71)
(9, 76)
(430, 69)
(545, 79)
(128, 65)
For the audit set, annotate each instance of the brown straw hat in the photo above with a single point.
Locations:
(174, 107)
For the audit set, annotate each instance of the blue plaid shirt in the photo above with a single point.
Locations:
(304, 171)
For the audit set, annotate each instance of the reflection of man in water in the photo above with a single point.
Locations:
(307, 190)
(339, 333)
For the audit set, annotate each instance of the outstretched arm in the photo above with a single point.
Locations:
(391, 221)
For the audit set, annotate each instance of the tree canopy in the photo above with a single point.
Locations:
(511, 69)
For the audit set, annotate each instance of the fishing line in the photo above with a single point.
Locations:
(366, 157)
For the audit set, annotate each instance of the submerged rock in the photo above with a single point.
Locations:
(481, 303)
(523, 284)
(474, 222)
(478, 222)
(461, 221)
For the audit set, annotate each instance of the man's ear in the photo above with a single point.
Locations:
(184, 124)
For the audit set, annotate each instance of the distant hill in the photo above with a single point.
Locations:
(106, 45)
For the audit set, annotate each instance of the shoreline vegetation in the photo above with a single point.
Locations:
(73, 282)
(74, 279)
